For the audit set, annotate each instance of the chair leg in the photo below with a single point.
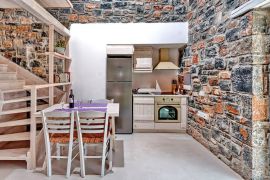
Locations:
(110, 155)
(103, 159)
(113, 133)
(82, 147)
(58, 150)
(103, 166)
(49, 161)
(69, 158)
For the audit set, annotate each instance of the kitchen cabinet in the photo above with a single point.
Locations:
(143, 112)
(142, 53)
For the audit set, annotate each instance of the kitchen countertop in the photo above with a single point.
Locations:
(154, 95)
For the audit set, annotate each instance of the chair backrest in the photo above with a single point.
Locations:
(102, 101)
(58, 122)
(92, 122)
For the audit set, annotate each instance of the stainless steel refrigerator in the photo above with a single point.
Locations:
(119, 88)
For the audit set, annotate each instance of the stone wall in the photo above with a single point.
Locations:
(117, 11)
(227, 60)
(260, 91)
(24, 39)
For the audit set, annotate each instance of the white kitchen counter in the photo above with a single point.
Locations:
(154, 95)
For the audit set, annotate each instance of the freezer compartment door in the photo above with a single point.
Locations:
(119, 69)
(121, 92)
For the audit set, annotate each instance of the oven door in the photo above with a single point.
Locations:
(167, 113)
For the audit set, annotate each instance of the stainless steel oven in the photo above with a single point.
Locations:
(167, 109)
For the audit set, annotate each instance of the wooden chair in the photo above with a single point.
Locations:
(111, 119)
(93, 128)
(58, 129)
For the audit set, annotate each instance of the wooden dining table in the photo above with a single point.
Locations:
(112, 109)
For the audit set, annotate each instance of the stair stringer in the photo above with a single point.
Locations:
(29, 77)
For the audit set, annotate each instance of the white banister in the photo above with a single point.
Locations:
(33, 129)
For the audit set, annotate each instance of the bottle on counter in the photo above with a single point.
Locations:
(174, 86)
(71, 99)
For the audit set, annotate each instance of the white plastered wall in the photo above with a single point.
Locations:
(88, 49)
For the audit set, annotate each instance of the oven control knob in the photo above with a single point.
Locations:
(163, 99)
(171, 99)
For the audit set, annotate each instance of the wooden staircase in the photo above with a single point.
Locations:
(14, 115)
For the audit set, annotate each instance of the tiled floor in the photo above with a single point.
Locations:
(149, 156)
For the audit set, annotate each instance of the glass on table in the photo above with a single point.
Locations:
(62, 104)
(80, 103)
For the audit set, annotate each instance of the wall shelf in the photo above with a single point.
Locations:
(58, 55)
(142, 70)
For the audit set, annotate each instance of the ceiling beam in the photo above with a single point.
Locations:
(55, 3)
(248, 6)
(43, 3)
(42, 14)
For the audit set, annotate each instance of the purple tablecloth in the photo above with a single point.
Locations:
(86, 107)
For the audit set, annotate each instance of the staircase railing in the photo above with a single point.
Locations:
(33, 123)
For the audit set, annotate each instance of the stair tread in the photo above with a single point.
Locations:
(8, 76)
(11, 81)
(4, 65)
(13, 90)
(21, 110)
(20, 122)
(8, 72)
(28, 98)
(14, 154)
(22, 136)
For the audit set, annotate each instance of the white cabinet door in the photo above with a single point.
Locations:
(143, 108)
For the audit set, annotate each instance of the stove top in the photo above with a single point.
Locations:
(155, 93)
(167, 93)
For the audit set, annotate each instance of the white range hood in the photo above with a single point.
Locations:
(165, 63)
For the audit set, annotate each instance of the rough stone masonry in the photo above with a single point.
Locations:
(24, 40)
(125, 11)
(228, 60)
